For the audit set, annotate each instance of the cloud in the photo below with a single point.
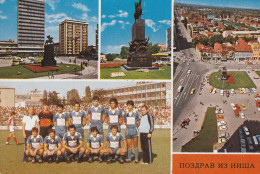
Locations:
(104, 25)
(151, 24)
(2, 17)
(56, 18)
(123, 24)
(104, 16)
(53, 31)
(88, 19)
(80, 7)
(52, 3)
(113, 49)
(111, 16)
(2, 1)
(167, 22)
(122, 14)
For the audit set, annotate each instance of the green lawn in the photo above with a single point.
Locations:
(208, 135)
(11, 72)
(241, 77)
(163, 73)
(258, 73)
(11, 159)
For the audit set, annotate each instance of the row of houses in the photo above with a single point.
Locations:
(226, 51)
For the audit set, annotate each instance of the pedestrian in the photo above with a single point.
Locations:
(146, 128)
(29, 121)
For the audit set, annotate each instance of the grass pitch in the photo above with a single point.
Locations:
(241, 77)
(11, 72)
(11, 159)
(208, 135)
(164, 74)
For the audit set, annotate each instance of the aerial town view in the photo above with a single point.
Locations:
(42, 39)
(135, 40)
(216, 77)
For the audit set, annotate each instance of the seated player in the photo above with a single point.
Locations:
(34, 145)
(94, 145)
(114, 138)
(72, 144)
(52, 146)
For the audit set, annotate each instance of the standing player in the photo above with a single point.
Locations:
(29, 121)
(46, 118)
(35, 145)
(94, 145)
(10, 126)
(146, 128)
(72, 144)
(114, 138)
(78, 119)
(132, 121)
(96, 116)
(114, 115)
(60, 121)
(52, 146)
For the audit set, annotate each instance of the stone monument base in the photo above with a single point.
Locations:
(139, 59)
(128, 68)
(48, 58)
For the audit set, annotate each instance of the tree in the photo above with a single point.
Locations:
(73, 96)
(124, 52)
(53, 98)
(153, 49)
(195, 41)
(87, 94)
(101, 94)
(45, 97)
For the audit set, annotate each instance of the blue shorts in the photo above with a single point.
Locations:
(114, 150)
(131, 133)
(99, 127)
(109, 128)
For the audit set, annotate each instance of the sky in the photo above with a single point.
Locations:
(249, 4)
(117, 17)
(62, 87)
(55, 12)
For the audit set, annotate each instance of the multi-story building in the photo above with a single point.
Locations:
(33, 98)
(243, 51)
(169, 38)
(246, 34)
(30, 27)
(73, 37)
(7, 97)
(256, 51)
(148, 93)
(8, 48)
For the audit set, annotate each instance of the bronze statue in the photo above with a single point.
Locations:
(49, 41)
(138, 10)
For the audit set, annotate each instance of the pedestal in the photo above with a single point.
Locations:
(48, 59)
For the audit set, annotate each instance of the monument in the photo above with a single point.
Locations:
(48, 58)
(224, 75)
(138, 56)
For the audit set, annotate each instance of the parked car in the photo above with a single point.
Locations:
(192, 91)
(232, 91)
(255, 141)
(219, 111)
(246, 130)
(222, 92)
(233, 106)
(240, 132)
(223, 128)
(210, 90)
(243, 145)
(242, 115)
(238, 107)
(221, 123)
(243, 106)
(223, 135)
(222, 140)
(220, 116)
(250, 143)
(236, 113)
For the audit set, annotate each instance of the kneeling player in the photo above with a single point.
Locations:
(94, 145)
(35, 145)
(52, 146)
(114, 138)
(72, 144)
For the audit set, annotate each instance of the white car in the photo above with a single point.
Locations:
(232, 91)
(189, 71)
(244, 90)
(214, 91)
(254, 90)
(233, 106)
(246, 130)
(258, 109)
(223, 128)
(219, 111)
(242, 115)
(222, 140)
(222, 92)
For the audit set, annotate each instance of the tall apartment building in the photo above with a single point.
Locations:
(149, 93)
(73, 37)
(30, 27)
